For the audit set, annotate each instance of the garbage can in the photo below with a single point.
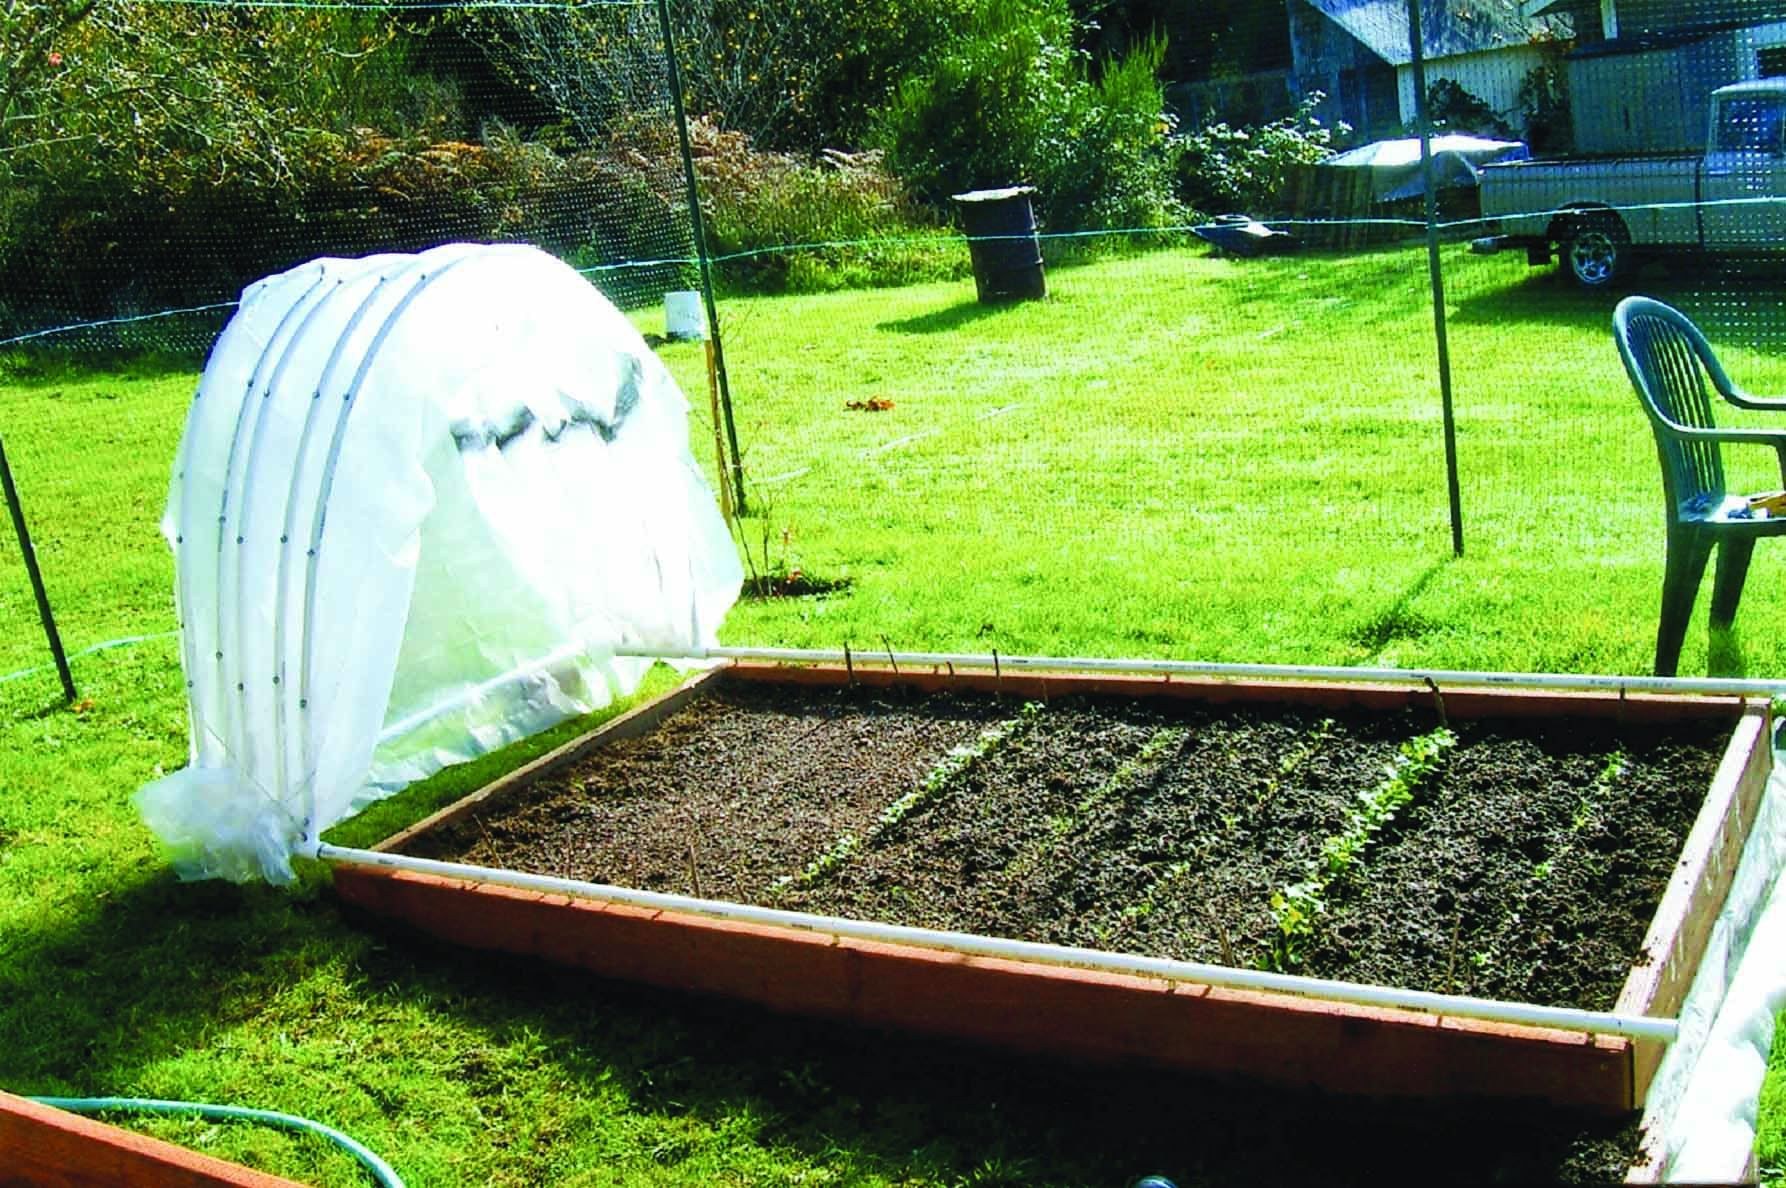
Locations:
(1007, 256)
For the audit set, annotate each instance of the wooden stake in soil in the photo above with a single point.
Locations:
(1221, 936)
(719, 445)
(694, 870)
(1457, 923)
(1438, 701)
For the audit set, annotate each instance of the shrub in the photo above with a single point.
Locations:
(114, 253)
(1450, 107)
(804, 75)
(1224, 168)
(795, 223)
(1012, 102)
(1544, 104)
(1123, 170)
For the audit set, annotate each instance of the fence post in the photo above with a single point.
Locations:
(1417, 43)
(30, 555)
(717, 346)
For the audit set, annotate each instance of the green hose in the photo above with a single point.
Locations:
(381, 1171)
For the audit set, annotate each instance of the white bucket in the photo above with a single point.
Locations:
(684, 317)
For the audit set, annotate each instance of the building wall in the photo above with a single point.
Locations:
(1655, 101)
(1493, 76)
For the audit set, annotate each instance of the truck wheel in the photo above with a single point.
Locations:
(1596, 251)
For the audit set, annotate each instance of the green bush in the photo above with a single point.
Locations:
(794, 223)
(1453, 108)
(1013, 103)
(1124, 169)
(1544, 105)
(1224, 168)
(803, 75)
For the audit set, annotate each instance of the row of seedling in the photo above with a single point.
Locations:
(954, 766)
(1567, 847)
(1164, 886)
(1298, 907)
(1160, 746)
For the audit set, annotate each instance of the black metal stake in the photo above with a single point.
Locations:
(701, 253)
(1417, 43)
(30, 555)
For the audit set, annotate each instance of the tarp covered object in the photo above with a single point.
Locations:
(1395, 170)
(418, 503)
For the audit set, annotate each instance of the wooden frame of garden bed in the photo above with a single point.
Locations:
(1101, 1015)
(50, 1147)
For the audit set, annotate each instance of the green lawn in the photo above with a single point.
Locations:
(1172, 456)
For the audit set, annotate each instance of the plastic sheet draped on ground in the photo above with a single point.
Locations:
(418, 503)
(1703, 1104)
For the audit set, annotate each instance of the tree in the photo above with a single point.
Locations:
(1205, 38)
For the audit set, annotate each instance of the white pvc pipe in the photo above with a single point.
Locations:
(969, 944)
(1715, 686)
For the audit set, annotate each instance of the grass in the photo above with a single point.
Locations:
(1173, 455)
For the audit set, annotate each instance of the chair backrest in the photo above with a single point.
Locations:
(1669, 362)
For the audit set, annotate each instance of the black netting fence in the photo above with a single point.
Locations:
(1222, 431)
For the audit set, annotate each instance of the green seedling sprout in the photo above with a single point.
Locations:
(1297, 907)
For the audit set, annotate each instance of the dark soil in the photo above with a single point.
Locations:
(1525, 868)
(722, 797)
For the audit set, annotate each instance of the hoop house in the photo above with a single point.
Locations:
(419, 502)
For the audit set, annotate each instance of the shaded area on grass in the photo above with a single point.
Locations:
(928, 1112)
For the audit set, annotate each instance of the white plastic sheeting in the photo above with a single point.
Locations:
(1701, 1114)
(419, 502)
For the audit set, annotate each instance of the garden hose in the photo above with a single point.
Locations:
(381, 1171)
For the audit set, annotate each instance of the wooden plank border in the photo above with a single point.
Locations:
(1089, 1014)
(1682, 926)
(1459, 702)
(52, 1148)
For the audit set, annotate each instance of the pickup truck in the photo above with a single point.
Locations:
(1601, 217)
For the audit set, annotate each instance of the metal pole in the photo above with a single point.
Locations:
(30, 555)
(1417, 43)
(701, 254)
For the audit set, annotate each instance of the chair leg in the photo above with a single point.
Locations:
(1688, 553)
(1727, 586)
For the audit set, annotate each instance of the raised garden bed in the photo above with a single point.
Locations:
(1559, 849)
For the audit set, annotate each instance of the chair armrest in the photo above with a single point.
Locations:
(1768, 437)
(1748, 400)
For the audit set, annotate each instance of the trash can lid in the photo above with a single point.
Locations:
(993, 195)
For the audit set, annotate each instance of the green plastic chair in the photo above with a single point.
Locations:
(1669, 362)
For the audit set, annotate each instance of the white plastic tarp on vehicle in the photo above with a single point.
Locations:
(419, 502)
